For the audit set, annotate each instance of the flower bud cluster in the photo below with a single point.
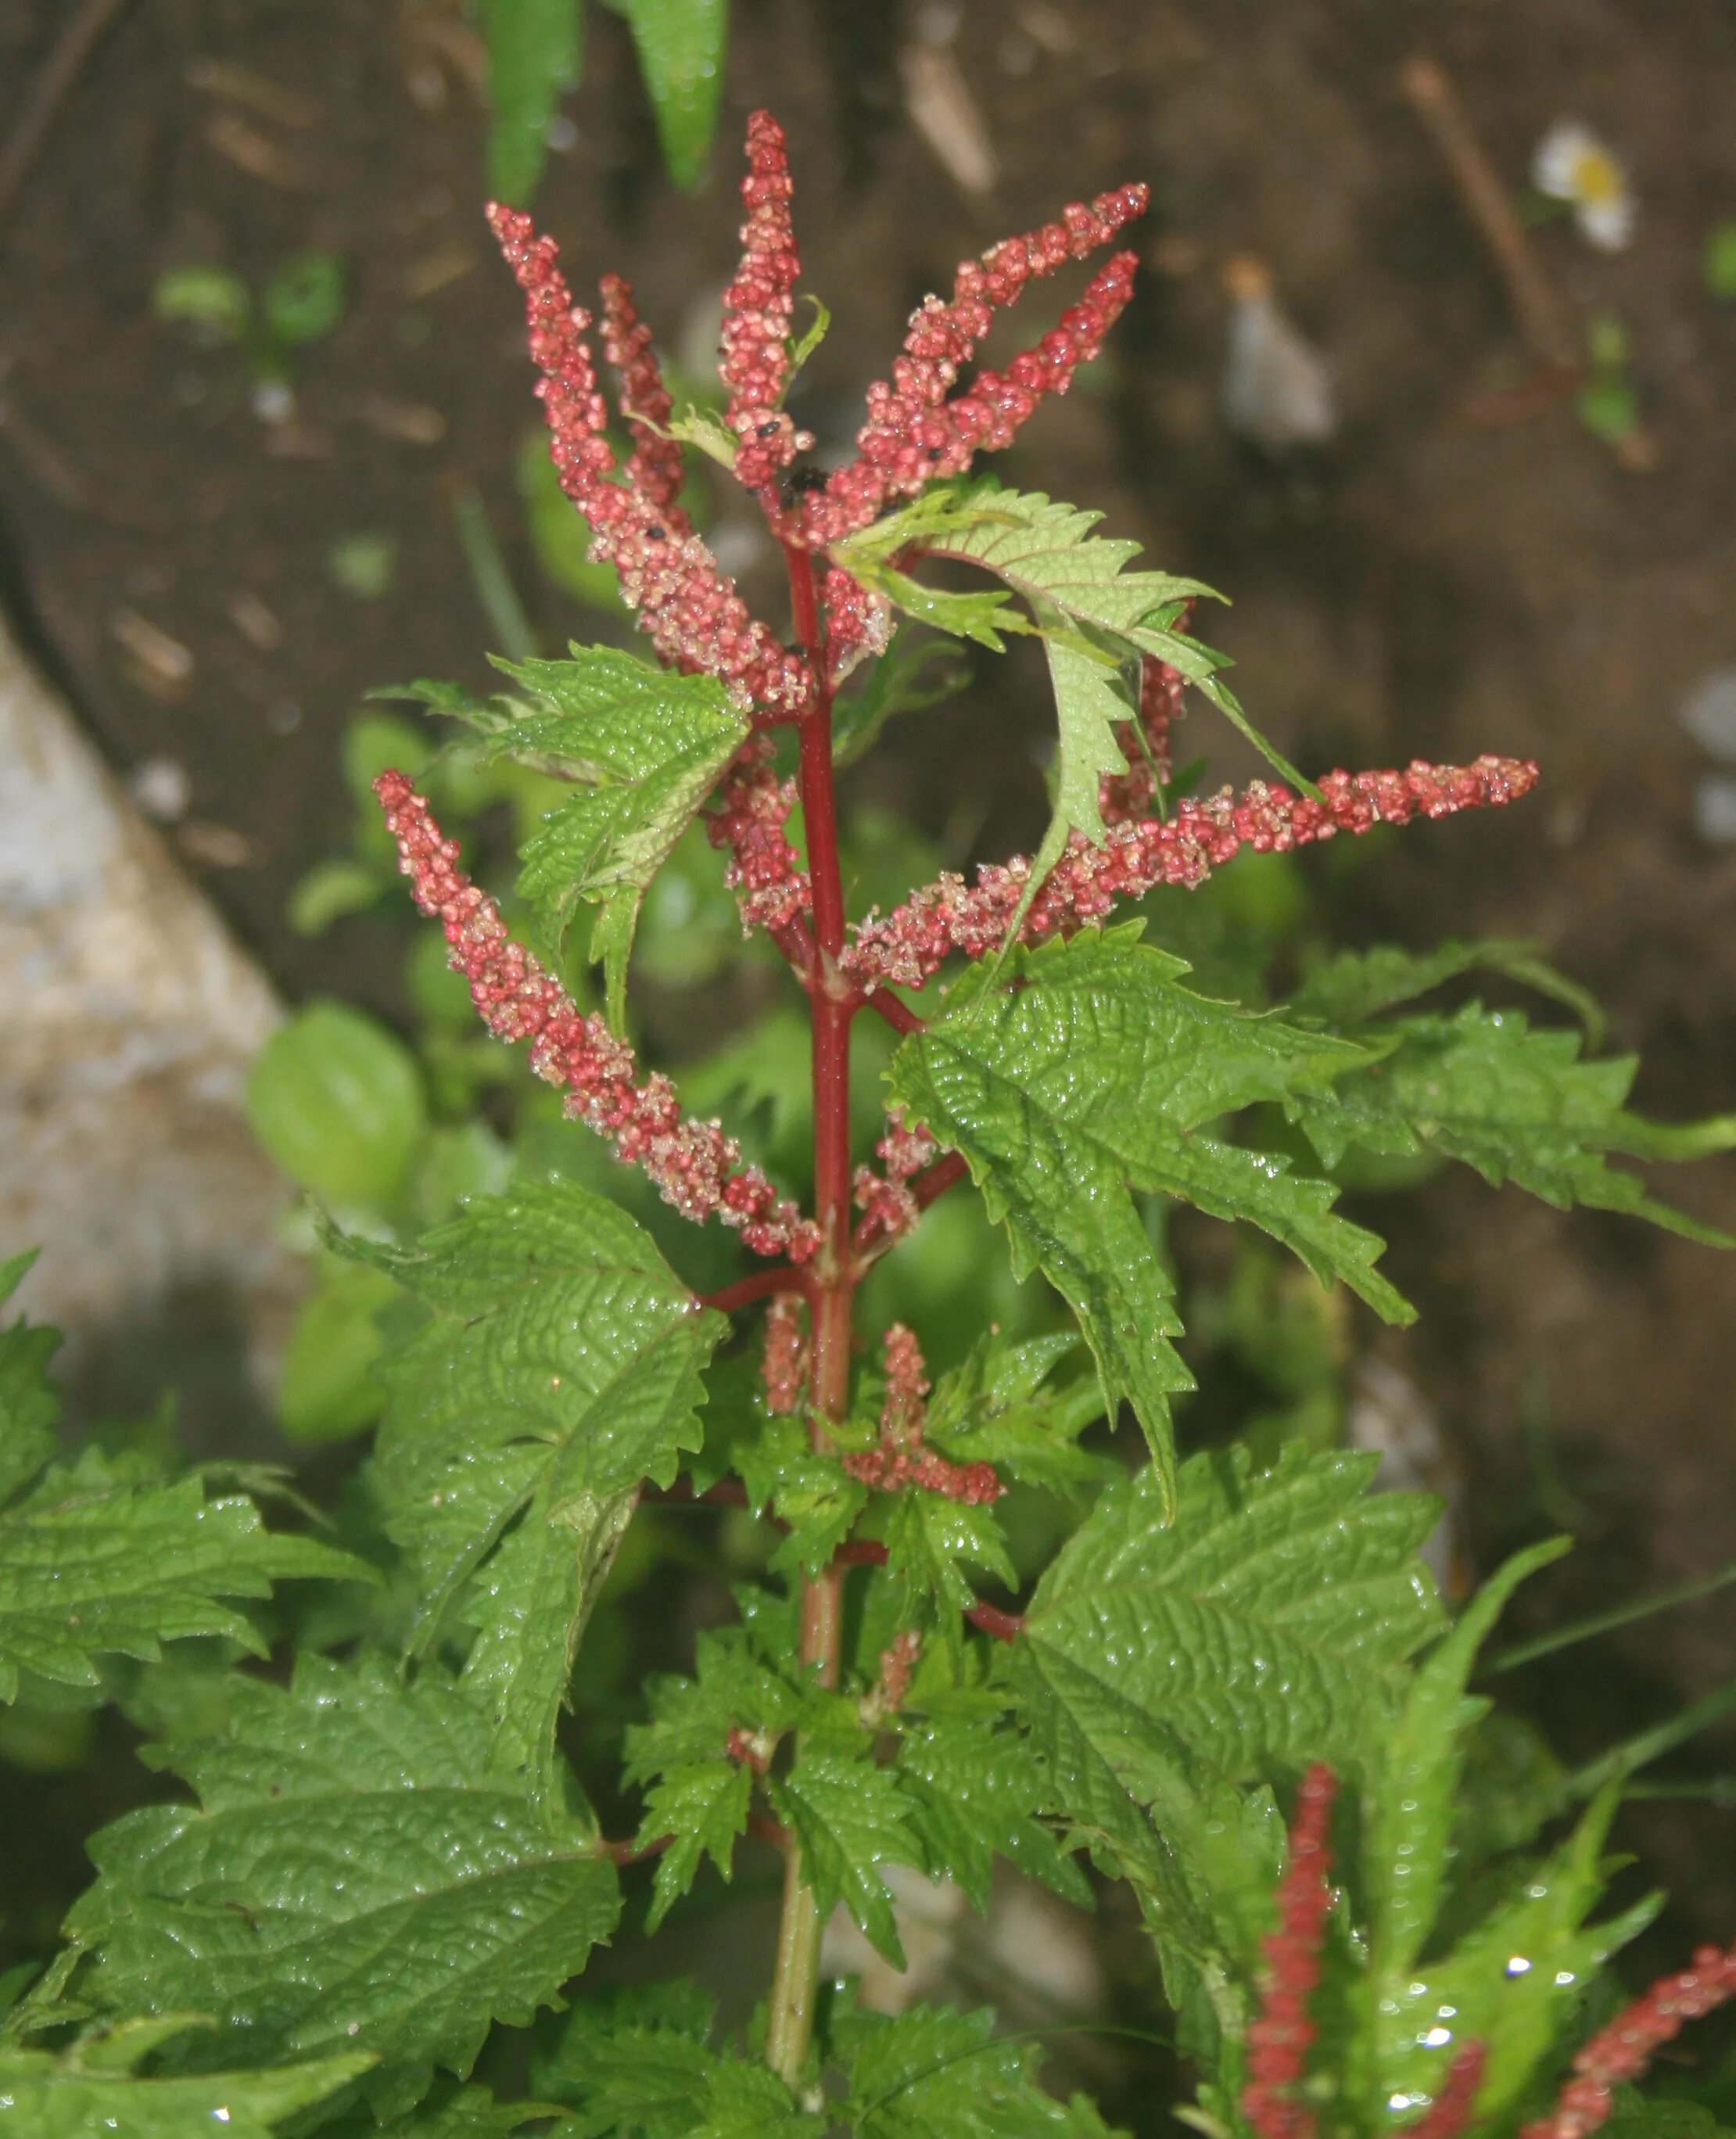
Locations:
(1124, 795)
(695, 1166)
(908, 945)
(1620, 2052)
(691, 611)
(784, 1362)
(900, 1459)
(858, 623)
(914, 433)
(764, 870)
(1279, 2035)
(655, 466)
(757, 308)
(889, 1208)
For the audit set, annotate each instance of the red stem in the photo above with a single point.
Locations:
(745, 1290)
(1003, 1626)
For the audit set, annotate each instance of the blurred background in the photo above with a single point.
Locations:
(1432, 370)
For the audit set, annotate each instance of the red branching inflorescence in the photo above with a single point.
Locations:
(1450, 2111)
(897, 1668)
(695, 618)
(914, 433)
(1621, 2052)
(908, 945)
(695, 1167)
(1125, 796)
(1280, 2032)
(889, 1206)
(900, 1459)
(655, 466)
(784, 1362)
(764, 870)
(757, 309)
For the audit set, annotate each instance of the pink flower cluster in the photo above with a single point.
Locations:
(695, 1167)
(908, 945)
(889, 1207)
(695, 618)
(764, 870)
(757, 308)
(914, 433)
(784, 1361)
(1620, 2052)
(655, 466)
(1279, 2035)
(1122, 796)
(900, 1459)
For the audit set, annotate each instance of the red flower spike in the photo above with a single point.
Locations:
(858, 623)
(900, 1459)
(1279, 2036)
(654, 467)
(695, 1167)
(688, 608)
(914, 433)
(909, 945)
(764, 870)
(784, 1363)
(1450, 2111)
(757, 309)
(1620, 2052)
(890, 1206)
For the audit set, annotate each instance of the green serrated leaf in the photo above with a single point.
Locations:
(999, 1408)
(651, 745)
(704, 1808)
(680, 44)
(811, 1494)
(353, 1876)
(561, 1351)
(534, 49)
(72, 2095)
(1409, 1810)
(1355, 986)
(930, 1541)
(976, 1792)
(733, 1687)
(1265, 1628)
(1096, 1070)
(1483, 1087)
(104, 1560)
(848, 1818)
(1512, 1984)
(931, 2074)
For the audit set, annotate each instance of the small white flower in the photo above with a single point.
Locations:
(1572, 164)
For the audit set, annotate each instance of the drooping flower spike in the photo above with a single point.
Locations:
(694, 1165)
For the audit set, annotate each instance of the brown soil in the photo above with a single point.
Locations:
(1433, 586)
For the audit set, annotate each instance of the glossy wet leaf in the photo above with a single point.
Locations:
(705, 1809)
(1096, 1071)
(976, 1792)
(1483, 1087)
(933, 2074)
(559, 1365)
(74, 2094)
(353, 1876)
(1268, 1627)
(848, 1818)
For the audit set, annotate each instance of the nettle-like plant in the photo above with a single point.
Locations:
(387, 1865)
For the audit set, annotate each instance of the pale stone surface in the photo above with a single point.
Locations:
(131, 1017)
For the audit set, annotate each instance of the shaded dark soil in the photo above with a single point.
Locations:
(1433, 587)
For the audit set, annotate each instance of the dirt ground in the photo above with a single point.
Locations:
(1429, 585)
